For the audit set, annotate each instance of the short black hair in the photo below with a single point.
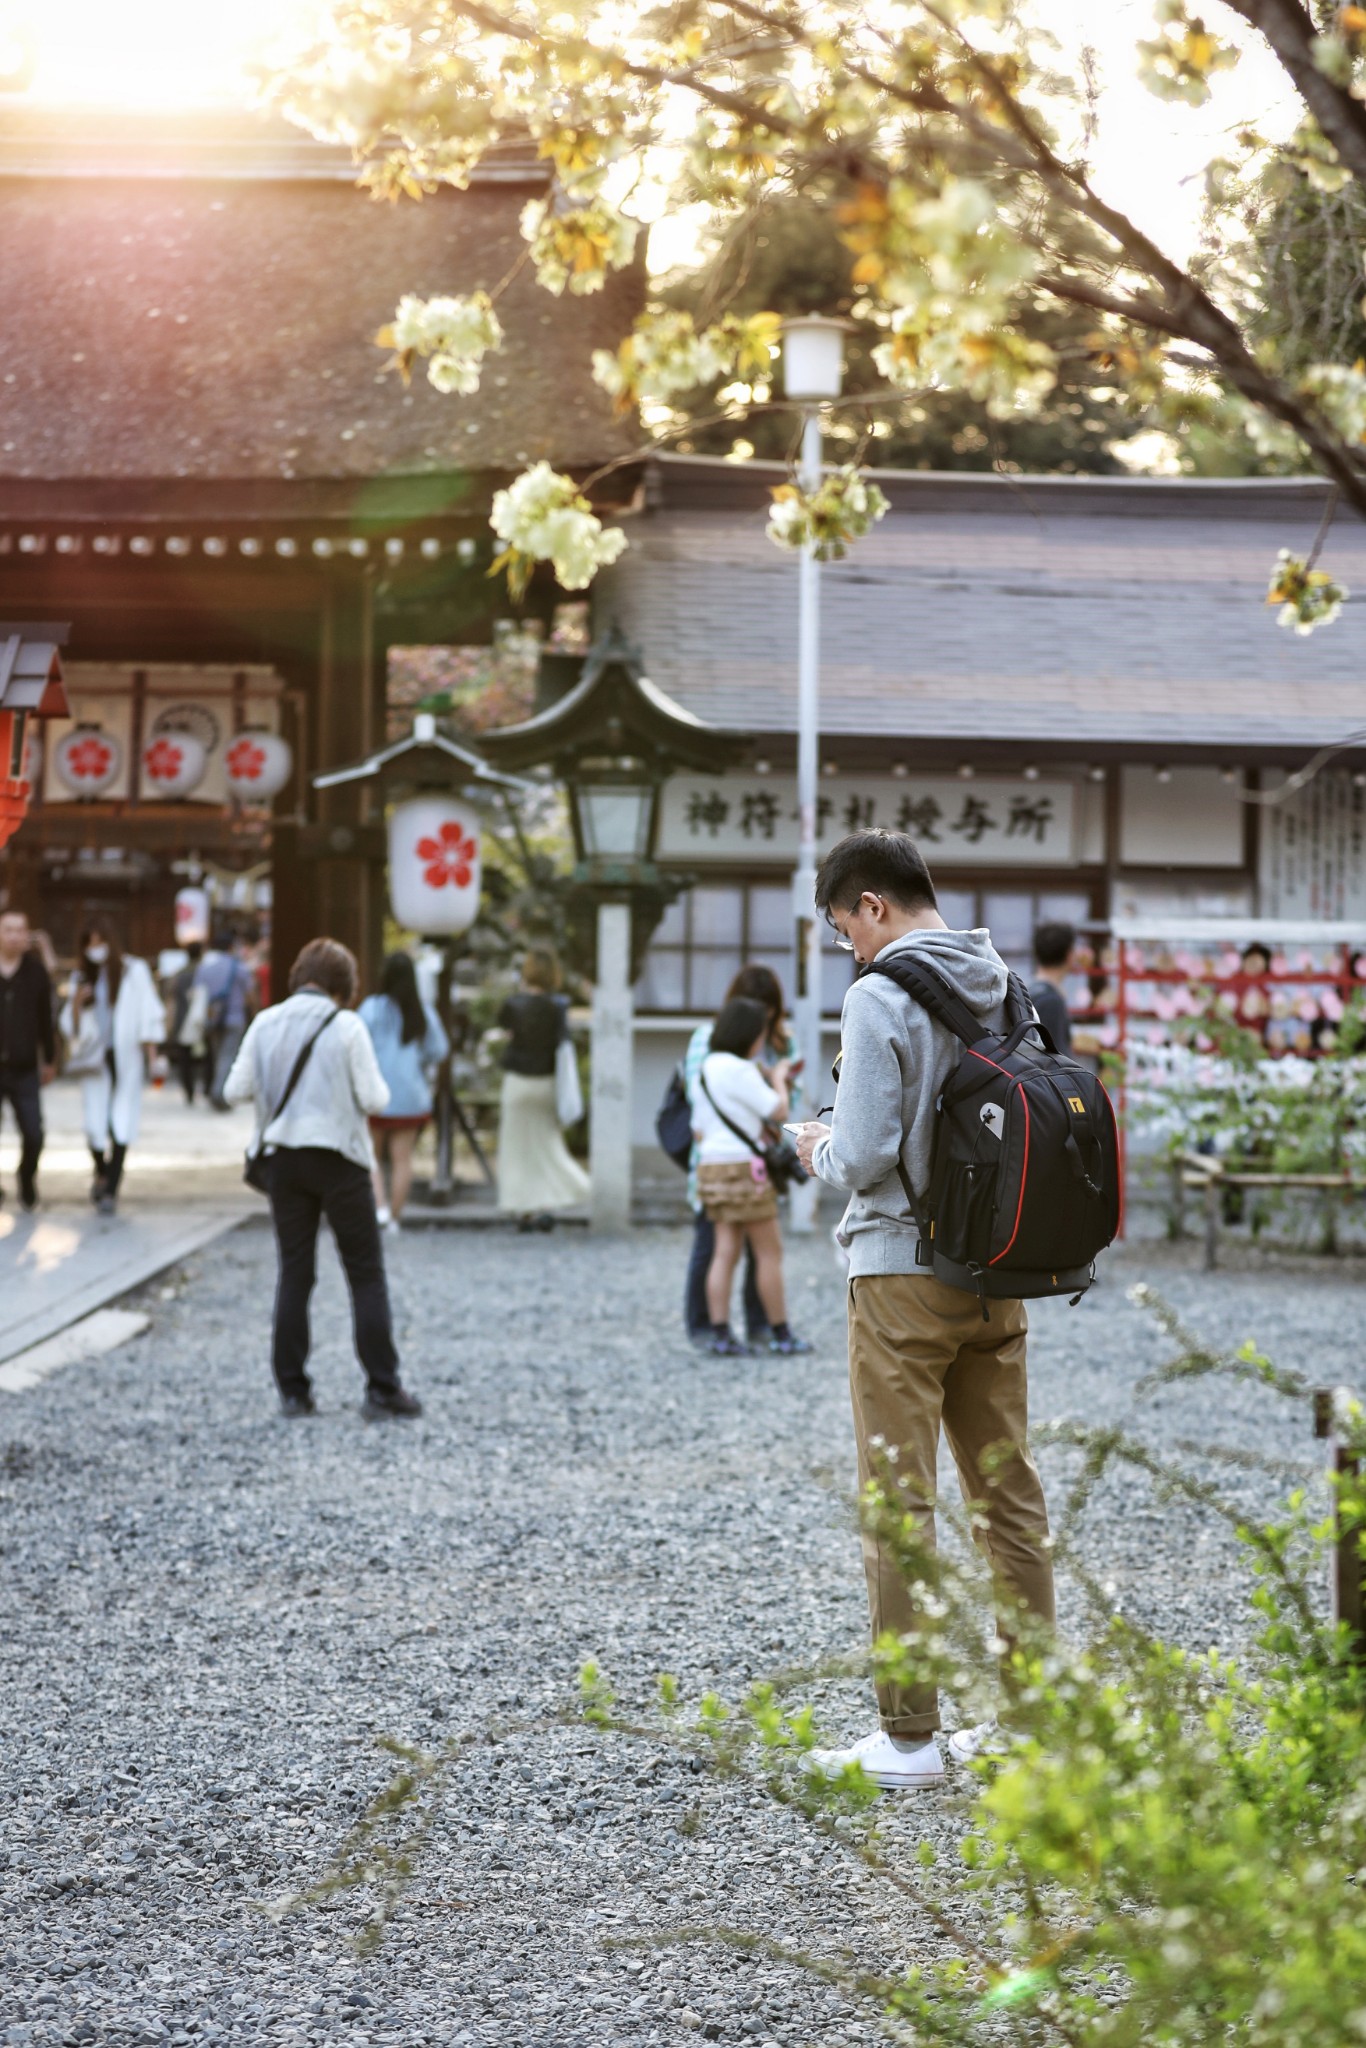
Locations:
(1053, 942)
(887, 864)
(739, 1024)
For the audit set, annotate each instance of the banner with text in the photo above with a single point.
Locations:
(995, 821)
(1314, 851)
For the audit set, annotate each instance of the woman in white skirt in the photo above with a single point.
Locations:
(114, 1012)
(536, 1174)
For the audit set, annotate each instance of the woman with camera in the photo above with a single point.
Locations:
(733, 1107)
(763, 985)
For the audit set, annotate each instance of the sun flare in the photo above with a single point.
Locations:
(142, 53)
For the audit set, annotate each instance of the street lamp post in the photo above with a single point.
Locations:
(813, 370)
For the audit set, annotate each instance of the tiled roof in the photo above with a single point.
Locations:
(210, 313)
(1094, 613)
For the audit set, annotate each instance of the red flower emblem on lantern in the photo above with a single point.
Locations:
(447, 858)
(90, 758)
(245, 760)
(163, 760)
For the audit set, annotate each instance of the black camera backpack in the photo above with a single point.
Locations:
(1025, 1175)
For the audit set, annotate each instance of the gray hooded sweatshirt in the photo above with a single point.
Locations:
(896, 1060)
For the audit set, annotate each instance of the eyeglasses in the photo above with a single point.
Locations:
(847, 945)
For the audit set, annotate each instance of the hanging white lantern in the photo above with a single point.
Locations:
(434, 865)
(88, 760)
(257, 764)
(191, 917)
(173, 764)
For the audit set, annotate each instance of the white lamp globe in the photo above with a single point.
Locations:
(88, 760)
(434, 865)
(173, 764)
(813, 357)
(257, 765)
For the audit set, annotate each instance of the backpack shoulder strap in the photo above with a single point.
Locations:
(926, 986)
(1019, 1002)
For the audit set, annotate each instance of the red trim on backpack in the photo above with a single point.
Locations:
(1024, 1176)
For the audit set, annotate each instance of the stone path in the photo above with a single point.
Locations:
(211, 1616)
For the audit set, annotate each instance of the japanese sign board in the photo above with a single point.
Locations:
(986, 822)
(1313, 856)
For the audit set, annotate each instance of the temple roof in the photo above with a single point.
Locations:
(200, 301)
(615, 708)
(1080, 617)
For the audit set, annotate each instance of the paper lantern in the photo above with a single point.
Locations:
(88, 760)
(434, 865)
(257, 765)
(191, 917)
(173, 764)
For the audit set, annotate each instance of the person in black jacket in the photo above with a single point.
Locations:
(28, 1045)
(1054, 945)
(536, 1174)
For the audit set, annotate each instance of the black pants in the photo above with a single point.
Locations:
(19, 1087)
(695, 1312)
(109, 1166)
(307, 1183)
(193, 1068)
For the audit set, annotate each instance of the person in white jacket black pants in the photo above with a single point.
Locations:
(321, 1163)
(114, 992)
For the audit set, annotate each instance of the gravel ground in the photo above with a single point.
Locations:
(210, 1615)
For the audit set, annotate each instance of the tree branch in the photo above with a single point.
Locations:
(1288, 27)
(1020, 146)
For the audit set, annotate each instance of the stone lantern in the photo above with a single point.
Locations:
(30, 687)
(612, 741)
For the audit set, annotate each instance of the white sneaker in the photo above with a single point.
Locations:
(383, 1216)
(895, 1770)
(970, 1745)
(391, 1225)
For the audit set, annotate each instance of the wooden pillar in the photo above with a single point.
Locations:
(296, 913)
(350, 888)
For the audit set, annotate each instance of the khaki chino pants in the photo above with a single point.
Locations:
(921, 1355)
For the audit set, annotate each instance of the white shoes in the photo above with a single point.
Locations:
(970, 1745)
(893, 1769)
(383, 1216)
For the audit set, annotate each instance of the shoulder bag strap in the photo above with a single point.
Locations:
(300, 1063)
(743, 1136)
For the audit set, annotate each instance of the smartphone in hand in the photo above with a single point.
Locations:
(794, 1130)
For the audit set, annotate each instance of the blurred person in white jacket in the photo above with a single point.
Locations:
(321, 1163)
(115, 1016)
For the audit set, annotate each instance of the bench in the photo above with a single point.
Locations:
(1202, 1171)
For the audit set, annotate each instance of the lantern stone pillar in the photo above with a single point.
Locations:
(609, 1117)
(612, 740)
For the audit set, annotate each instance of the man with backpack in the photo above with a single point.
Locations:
(924, 1352)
